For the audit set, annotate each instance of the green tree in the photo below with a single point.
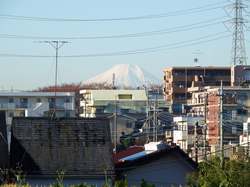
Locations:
(235, 173)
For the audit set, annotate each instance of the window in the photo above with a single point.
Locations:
(22, 114)
(11, 114)
(67, 99)
(24, 102)
(51, 102)
(67, 114)
(11, 100)
(128, 125)
(38, 100)
(99, 110)
(241, 112)
(125, 96)
(242, 96)
(124, 110)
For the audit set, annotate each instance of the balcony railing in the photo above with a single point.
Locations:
(23, 106)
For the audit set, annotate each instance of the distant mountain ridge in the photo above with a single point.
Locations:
(125, 75)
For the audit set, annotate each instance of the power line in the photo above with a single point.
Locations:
(149, 33)
(138, 51)
(187, 11)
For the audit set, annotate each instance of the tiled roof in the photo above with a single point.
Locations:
(80, 146)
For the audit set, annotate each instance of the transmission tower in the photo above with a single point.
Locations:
(238, 52)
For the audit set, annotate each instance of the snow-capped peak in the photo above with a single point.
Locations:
(125, 75)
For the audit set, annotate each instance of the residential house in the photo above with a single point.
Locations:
(158, 164)
(79, 147)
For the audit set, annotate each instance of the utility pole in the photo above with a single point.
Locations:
(196, 141)
(115, 124)
(56, 45)
(205, 126)
(221, 125)
(155, 122)
(238, 52)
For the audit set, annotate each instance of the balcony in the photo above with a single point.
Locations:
(182, 78)
(33, 106)
(180, 135)
(179, 90)
(194, 101)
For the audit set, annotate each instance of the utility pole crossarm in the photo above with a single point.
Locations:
(56, 45)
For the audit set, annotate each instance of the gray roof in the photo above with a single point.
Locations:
(80, 146)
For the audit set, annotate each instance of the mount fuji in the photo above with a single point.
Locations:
(125, 75)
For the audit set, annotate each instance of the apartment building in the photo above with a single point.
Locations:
(177, 80)
(37, 104)
(119, 101)
(231, 102)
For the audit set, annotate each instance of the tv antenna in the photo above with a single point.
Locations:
(57, 45)
(196, 59)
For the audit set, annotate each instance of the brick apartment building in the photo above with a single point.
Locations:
(206, 101)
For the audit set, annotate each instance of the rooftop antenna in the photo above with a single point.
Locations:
(238, 52)
(196, 60)
(56, 45)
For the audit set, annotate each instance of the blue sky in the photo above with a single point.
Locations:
(152, 34)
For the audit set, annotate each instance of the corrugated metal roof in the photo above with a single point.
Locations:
(130, 151)
(80, 146)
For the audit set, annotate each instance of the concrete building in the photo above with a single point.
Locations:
(119, 101)
(240, 75)
(36, 104)
(184, 134)
(177, 80)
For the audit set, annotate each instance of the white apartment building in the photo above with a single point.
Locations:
(37, 104)
(183, 134)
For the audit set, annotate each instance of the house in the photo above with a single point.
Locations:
(128, 152)
(36, 104)
(119, 101)
(162, 167)
(80, 147)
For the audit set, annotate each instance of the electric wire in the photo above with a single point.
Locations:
(149, 33)
(182, 12)
(130, 52)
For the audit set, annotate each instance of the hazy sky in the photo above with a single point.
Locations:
(152, 34)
